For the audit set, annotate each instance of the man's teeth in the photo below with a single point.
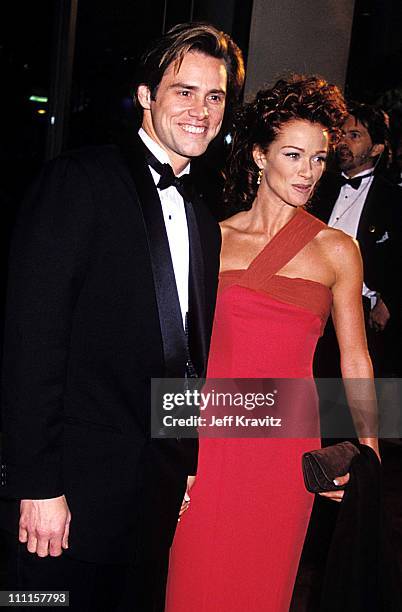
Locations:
(193, 129)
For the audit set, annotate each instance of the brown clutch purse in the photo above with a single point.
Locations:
(321, 466)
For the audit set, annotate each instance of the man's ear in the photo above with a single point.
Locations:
(144, 96)
(377, 149)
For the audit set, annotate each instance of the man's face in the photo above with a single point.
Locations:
(188, 110)
(355, 151)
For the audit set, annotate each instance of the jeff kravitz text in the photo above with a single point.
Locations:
(225, 421)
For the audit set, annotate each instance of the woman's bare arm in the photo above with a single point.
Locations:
(348, 318)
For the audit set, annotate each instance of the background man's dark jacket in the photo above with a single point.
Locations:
(379, 235)
(92, 315)
(379, 232)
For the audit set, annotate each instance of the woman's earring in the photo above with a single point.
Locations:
(259, 177)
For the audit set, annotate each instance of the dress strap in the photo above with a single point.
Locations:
(290, 239)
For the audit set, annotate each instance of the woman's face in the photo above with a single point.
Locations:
(293, 163)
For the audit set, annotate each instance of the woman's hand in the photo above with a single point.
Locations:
(337, 495)
(186, 500)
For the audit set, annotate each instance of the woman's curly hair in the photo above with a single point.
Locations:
(258, 123)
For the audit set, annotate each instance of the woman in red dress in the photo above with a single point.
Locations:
(282, 270)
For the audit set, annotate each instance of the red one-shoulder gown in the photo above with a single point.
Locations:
(237, 548)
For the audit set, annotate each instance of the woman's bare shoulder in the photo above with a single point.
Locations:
(341, 252)
(335, 243)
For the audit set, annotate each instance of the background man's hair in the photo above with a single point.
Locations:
(181, 39)
(374, 120)
(376, 123)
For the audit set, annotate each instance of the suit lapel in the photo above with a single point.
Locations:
(365, 221)
(170, 318)
(197, 328)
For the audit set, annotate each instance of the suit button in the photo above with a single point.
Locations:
(371, 229)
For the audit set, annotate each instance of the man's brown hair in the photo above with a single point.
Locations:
(184, 38)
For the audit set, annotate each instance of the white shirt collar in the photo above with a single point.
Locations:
(157, 150)
(362, 173)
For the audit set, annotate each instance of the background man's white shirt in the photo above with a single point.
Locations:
(347, 212)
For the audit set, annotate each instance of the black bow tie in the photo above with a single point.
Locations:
(168, 177)
(354, 182)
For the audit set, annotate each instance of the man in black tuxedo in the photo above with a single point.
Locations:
(362, 203)
(113, 279)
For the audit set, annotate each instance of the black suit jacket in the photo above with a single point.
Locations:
(92, 315)
(379, 233)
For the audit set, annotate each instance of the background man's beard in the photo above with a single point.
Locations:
(347, 161)
(344, 158)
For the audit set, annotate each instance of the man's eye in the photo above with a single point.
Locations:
(184, 93)
(215, 98)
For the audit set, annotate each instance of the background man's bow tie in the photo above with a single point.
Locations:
(168, 178)
(354, 182)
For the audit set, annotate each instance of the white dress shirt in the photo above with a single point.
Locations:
(347, 212)
(174, 215)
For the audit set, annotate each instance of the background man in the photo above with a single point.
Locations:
(363, 204)
(112, 281)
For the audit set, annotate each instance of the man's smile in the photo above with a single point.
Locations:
(193, 129)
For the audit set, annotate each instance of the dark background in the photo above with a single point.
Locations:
(109, 39)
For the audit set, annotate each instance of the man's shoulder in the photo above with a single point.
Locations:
(98, 164)
(77, 162)
(385, 198)
(90, 156)
(382, 184)
(329, 180)
(328, 186)
(325, 195)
